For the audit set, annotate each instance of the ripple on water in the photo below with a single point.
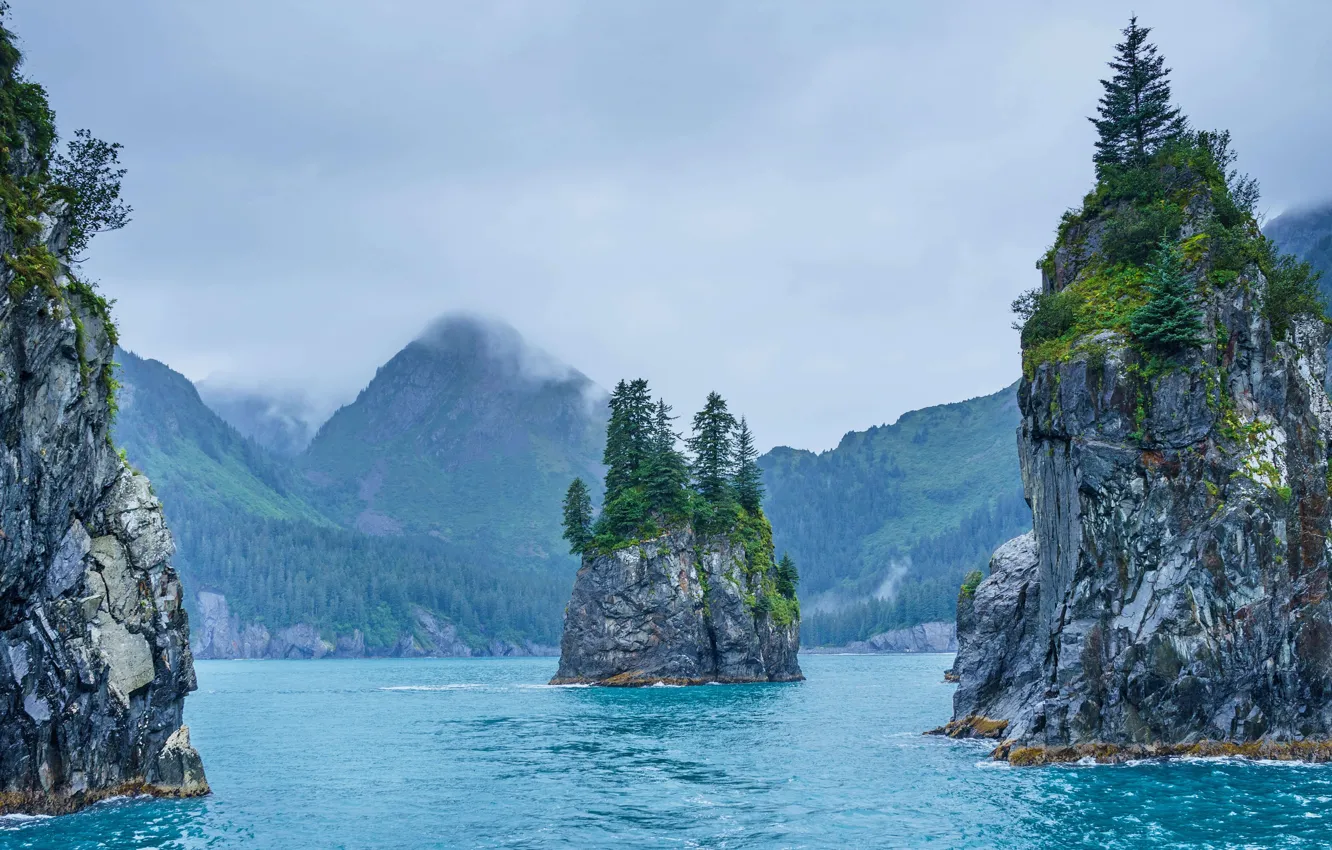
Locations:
(336, 754)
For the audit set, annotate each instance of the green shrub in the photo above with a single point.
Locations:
(969, 584)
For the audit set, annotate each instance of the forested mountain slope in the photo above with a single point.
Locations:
(245, 529)
(467, 435)
(885, 526)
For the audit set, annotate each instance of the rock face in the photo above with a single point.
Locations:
(95, 657)
(1173, 593)
(94, 644)
(678, 609)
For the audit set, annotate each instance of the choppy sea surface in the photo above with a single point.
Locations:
(480, 753)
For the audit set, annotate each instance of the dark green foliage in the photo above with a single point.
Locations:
(1043, 316)
(713, 447)
(1292, 289)
(1168, 323)
(629, 436)
(666, 477)
(1135, 114)
(788, 577)
(927, 591)
(281, 572)
(578, 517)
(885, 511)
(748, 476)
(87, 178)
(1134, 232)
(970, 583)
(244, 527)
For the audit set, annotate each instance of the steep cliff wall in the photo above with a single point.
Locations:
(1173, 594)
(94, 645)
(678, 609)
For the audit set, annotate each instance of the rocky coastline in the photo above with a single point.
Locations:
(219, 634)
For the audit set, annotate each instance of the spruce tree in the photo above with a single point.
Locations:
(787, 577)
(667, 471)
(1168, 322)
(713, 447)
(1136, 116)
(748, 476)
(628, 436)
(578, 517)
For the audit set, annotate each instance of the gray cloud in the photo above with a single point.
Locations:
(820, 210)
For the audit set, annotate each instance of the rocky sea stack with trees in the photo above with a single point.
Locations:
(1172, 598)
(679, 583)
(94, 644)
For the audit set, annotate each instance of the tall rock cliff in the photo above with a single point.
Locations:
(1172, 597)
(678, 609)
(94, 645)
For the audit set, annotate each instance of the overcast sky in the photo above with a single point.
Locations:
(819, 209)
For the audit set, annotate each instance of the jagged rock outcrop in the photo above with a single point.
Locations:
(678, 609)
(1173, 595)
(95, 656)
(922, 637)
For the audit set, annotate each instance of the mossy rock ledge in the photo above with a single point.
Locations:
(1173, 596)
(679, 609)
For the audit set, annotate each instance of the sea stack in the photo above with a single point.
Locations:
(677, 609)
(678, 583)
(94, 645)
(1173, 596)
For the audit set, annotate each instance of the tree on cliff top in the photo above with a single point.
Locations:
(628, 436)
(666, 473)
(1135, 114)
(1168, 322)
(748, 476)
(713, 446)
(577, 517)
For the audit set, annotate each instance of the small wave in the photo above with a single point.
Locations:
(22, 818)
(460, 687)
(530, 687)
(664, 685)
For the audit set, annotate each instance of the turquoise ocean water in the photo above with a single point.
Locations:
(479, 753)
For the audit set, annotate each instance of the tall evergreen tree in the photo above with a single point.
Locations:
(577, 517)
(748, 476)
(1135, 113)
(1168, 322)
(713, 447)
(787, 577)
(628, 436)
(667, 472)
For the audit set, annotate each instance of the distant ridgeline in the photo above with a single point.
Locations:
(886, 525)
(1172, 598)
(679, 582)
(286, 552)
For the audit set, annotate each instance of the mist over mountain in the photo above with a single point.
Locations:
(281, 423)
(469, 435)
(1306, 232)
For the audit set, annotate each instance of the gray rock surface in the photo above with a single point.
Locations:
(95, 659)
(1174, 590)
(675, 609)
